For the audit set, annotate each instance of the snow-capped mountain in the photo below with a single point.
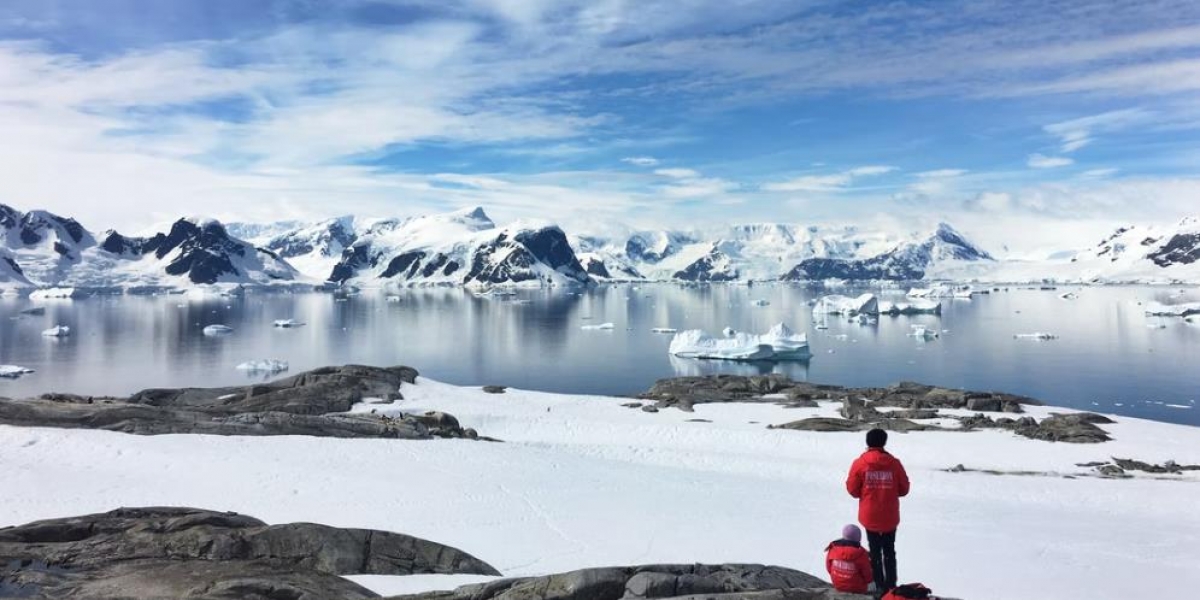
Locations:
(313, 249)
(944, 249)
(463, 247)
(41, 249)
(1134, 253)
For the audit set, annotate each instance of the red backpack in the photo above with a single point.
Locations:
(909, 591)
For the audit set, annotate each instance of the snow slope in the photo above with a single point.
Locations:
(582, 482)
(313, 249)
(12, 277)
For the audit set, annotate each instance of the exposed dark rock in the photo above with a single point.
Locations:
(1074, 428)
(312, 403)
(1170, 466)
(652, 582)
(712, 267)
(649, 408)
(1181, 249)
(166, 552)
(495, 389)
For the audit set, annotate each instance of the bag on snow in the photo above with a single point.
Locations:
(909, 591)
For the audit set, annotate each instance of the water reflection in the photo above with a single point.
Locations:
(1106, 352)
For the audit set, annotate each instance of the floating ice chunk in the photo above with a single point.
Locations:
(941, 291)
(924, 333)
(844, 305)
(1158, 309)
(53, 293)
(57, 331)
(779, 343)
(13, 371)
(664, 330)
(1159, 325)
(761, 302)
(918, 306)
(288, 323)
(602, 326)
(35, 311)
(393, 298)
(1037, 335)
(218, 330)
(729, 331)
(1069, 296)
(267, 365)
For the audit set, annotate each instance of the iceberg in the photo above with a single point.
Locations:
(1037, 335)
(288, 323)
(13, 371)
(918, 306)
(53, 293)
(57, 331)
(941, 291)
(779, 343)
(267, 365)
(761, 302)
(393, 298)
(845, 305)
(600, 327)
(924, 333)
(218, 330)
(1158, 309)
(1069, 296)
(664, 330)
(729, 332)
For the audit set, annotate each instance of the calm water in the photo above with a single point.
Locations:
(1106, 357)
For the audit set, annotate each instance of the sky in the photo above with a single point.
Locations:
(1030, 125)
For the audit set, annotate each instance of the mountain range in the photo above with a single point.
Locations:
(465, 247)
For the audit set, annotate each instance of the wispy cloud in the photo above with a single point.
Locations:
(1077, 133)
(831, 182)
(640, 161)
(1041, 161)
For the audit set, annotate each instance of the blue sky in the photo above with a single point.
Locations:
(1031, 125)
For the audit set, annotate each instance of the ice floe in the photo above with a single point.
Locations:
(600, 327)
(845, 305)
(218, 329)
(916, 307)
(664, 330)
(57, 331)
(13, 371)
(266, 365)
(1158, 309)
(53, 293)
(288, 323)
(1037, 335)
(778, 343)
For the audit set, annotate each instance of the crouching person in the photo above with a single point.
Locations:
(849, 565)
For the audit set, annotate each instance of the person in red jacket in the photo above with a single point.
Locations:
(878, 480)
(848, 564)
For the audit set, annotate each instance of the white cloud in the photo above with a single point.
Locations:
(941, 173)
(1077, 133)
(1040, 161)
(640, 161)
(1099, 173)
(677, 173)
(832, 182)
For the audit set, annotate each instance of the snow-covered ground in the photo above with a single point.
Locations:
(583, 481)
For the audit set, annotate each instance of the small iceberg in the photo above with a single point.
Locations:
(218, 330)
(393, 299)
(924, 333)
(779, 343)
(761, 302)
(1037, 335)
(729, 332)
(13, 371)
(35, 311)
(845, 305)
(267, 365)
(918, 306)
(1158, 309)
(1069, 296)
(288, 323)
(57, 331)
(600, 327)
(53, 293)
(664, 330)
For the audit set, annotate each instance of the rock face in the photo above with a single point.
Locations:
(906, 262)
(719, 582)
(311, 403)
(164, 552)
(712, 267)
(895, 408)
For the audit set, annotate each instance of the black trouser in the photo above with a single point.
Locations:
(883, 558)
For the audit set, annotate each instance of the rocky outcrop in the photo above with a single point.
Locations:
(895, 408)
(652, 582)
(312, 403)
(166, 552)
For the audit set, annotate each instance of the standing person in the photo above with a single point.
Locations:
(848, 564)
(878, 480)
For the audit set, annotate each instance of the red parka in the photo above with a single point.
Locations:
(878, 480)
(849, 566)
